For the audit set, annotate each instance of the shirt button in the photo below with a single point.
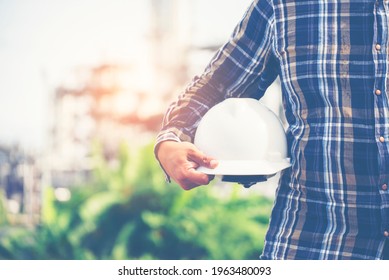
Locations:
(378, 47)
(377, 92)
(384, 187)
(386, 233)
(382, 139)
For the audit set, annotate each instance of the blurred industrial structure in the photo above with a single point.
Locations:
(108, 103)
(112, 103)
(102, 108)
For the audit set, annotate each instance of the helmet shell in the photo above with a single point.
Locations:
(245, 137)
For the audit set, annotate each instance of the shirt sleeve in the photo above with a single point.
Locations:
(243, 67)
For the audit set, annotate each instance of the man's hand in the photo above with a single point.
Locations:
(180, 161)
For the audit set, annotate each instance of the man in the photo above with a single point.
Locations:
(332, 60)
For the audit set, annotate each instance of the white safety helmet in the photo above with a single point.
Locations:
(246, 138)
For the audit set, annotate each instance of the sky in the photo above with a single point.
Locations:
(41, 41)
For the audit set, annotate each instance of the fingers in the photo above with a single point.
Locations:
(187, 176)
(200, 158)
(193, 178)
(181, 159)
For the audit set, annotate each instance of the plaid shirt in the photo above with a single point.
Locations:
(332, 60)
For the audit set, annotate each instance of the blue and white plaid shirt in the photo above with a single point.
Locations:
(332, 60)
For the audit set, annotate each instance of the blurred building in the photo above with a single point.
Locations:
(108, 103)
(100, 107)
(113, 103)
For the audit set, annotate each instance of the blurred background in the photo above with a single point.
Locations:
(83, 89)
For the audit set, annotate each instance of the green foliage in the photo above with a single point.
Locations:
(129, 212)
(3, 213)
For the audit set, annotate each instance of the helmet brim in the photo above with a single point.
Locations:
(246, 167)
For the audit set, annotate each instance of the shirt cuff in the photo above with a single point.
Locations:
(167, 136)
